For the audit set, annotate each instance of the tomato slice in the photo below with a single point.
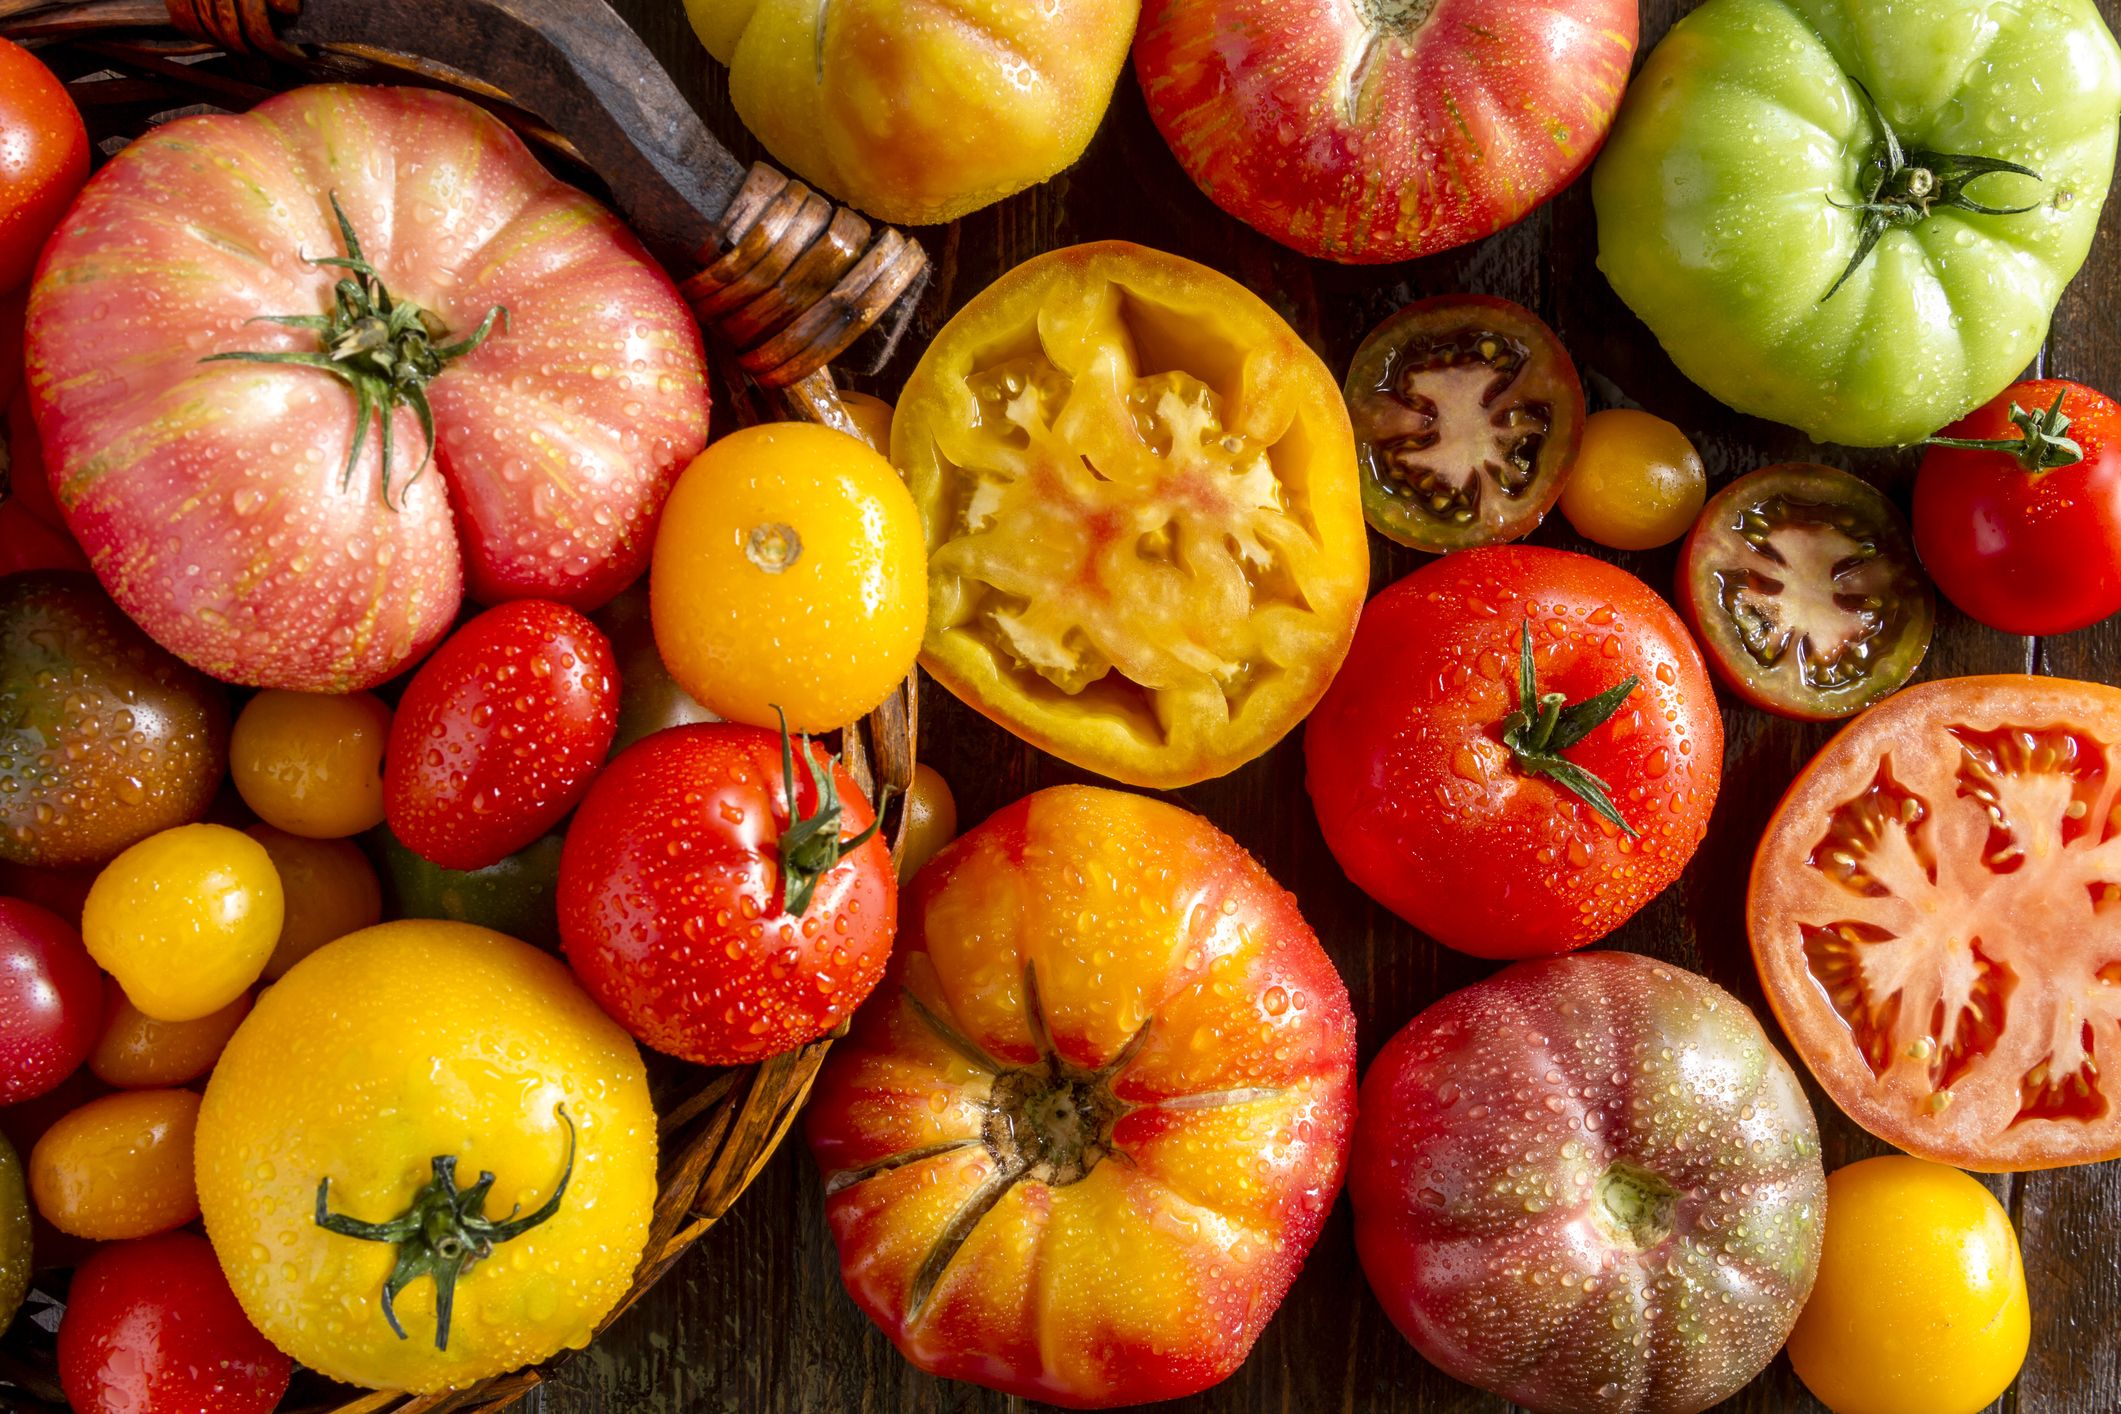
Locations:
(1467, 414)
(1936, 913)
(1801, 582)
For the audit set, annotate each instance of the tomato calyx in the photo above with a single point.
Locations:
(811, 846)
(2040, 445)
(1545, 725)
(443, 1232)
(387, 350)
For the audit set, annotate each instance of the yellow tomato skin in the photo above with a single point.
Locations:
(1637, 482)
(185, 919)
(331, 890)
(920, 112)
(136, 1052)
(872, 417)
(119, 1167)
(311, 763)
(789, 570)
(377, 1053)
(931, 820)
(1920, 1304)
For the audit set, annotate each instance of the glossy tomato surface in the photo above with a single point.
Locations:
(1590, 1185)
(216, 499)
(51, 1000)
(120, 1166)
(43, 162)
(311, 763)
(1423, 803)
(1084, 1138)
(186, 920)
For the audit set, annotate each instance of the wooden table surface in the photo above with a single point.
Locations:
(755, 1318)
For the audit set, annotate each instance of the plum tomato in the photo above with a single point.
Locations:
(107, 738)
(2018, 509)
(789, 574)
(1145, 542)
(1637, 484)
(1467, 414)
(499, 733)
(119, 1166)
(649, 697)
(1590, 1185)
(311, 763)
(518, 895)
(1378, 130)
(723, 905)
(151, 1327)
(16, 1259)
(51, 1001)
(1920, 1305)
(137, 1052)
(186, 920)
(328, 888)
(1522, 750)
(1800, 582)
(43, 162)
(1084, 1138)
(1936, 913)
(931, 820)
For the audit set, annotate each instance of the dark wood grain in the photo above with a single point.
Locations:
(755, 1319)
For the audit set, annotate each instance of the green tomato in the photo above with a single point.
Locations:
(1730, 200)
(518, 896)
(14, 1234)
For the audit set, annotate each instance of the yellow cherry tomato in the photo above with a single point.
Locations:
(137, 1052)
(1920, 1304)
(931, 820)
(872, 416)
(185, 919)
(311, 763)
(789, 571)
(1637, 482)
(331, 890)
(119, 1167)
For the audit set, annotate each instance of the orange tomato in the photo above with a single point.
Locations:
(137, 1052)
(311, 763)
(119, 1167)
(331, 890)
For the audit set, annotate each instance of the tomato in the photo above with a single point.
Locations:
(518, 896)
(872, 417)
(1158, 584)
(1926, 909)
(721, 905)
(152, 1328)
(134, 1051)
(43, 162)
(499, 734)
(359, 1088)
(649, 697)
(2026, 535)
(789, 574)
(107, 738)
(1801, 583)
(1103, 1024)
(931, 820)
(185, 920)
(1444, 802)
(1467, 416)
(1383, 129)
(919, 115)
(15, 1255)
(329, 890)
(1589, 1184)
(51, 1001)
(310, 763)
(119, 1167)
(228, 503)
(1795, 206)
(32, 534)
(1638, 482)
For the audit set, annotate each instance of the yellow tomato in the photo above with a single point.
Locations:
(331, 890)
(920, 113)
(872, 416)
(310, 763)
(136, 1051)
(1920, 1304)
(185, 919)
(1637, 482)
(931, 820)
(789, 572)
(119, 1167)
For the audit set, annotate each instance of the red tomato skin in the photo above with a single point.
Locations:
(151, 1327)
(51, 996)
(2024, 552)
(670, 899)
(43, 158)
(1417, 796)
(500, 733)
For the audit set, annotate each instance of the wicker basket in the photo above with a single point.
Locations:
(781, 279)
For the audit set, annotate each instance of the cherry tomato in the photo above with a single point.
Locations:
(119, 1166)
(51, 1001)
(329, 887)
(649, 697)
(15, 1250)
(43, 162)
(872, 417)
(310, 763)
(151, 1327)
(499, 733)
(186, 919)
(1920, 1306)
(137, 1052)
(931, 820)
(518, 896)
(1638, 482)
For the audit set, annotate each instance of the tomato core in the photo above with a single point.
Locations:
(1397, 18)
(1053, 1122)
(1632, 1207)
(1467, 432)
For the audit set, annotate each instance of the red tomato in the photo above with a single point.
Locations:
(500, 733)
(43, 158)
(1374, 130)
(51, 1001)
(227, 504)
(715, 917)
(1478, 826)
(32, 534)
(151, 1327)
(2026, 535)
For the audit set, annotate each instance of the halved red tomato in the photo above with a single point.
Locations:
(1936, 913)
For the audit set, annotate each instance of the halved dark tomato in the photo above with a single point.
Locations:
(1801, 584)
(1467, 414)
(1936, 914)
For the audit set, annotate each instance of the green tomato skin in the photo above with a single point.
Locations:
(518, 896)
(14, 1235)
(1717, 201)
